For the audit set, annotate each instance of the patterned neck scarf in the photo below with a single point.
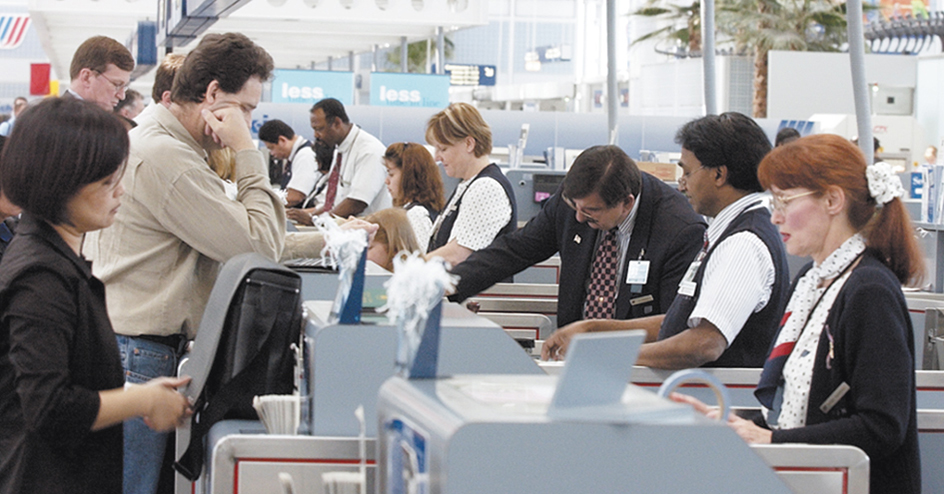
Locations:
(784, 383)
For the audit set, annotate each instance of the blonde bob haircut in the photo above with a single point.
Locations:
(456, 122)
(395, 233)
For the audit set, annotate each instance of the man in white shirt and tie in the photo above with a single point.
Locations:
(355, 184)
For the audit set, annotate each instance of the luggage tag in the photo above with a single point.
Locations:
(687, 286)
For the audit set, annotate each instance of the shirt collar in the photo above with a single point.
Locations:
(299, 142)
(30, 225)
(626, 227)
(731, 211)
(348, 142)
(167, 120)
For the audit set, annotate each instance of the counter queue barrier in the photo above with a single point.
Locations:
(817, 468)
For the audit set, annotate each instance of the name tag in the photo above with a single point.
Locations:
(834, 398)
(637, 273)
(687, 286)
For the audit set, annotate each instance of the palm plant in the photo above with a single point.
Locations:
(758, 26)
(416, 56)
(684, 32)
(797, 25)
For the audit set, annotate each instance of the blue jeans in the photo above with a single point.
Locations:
(144, 360)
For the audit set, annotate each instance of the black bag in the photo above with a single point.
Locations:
(243, 347)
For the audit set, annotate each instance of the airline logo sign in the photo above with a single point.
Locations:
(13, 30)
(311, 86)
(398, 89)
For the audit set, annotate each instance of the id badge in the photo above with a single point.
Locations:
(637, 273)
(687, 285)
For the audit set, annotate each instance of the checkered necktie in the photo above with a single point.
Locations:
(601, 295)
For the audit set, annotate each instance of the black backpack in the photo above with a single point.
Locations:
(243, 347)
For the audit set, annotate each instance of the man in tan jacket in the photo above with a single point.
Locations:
(176, 226)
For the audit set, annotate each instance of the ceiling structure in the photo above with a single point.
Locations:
(297, 33)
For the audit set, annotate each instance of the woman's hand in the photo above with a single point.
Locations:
(167, 409)
(699, 406)
(748, 430)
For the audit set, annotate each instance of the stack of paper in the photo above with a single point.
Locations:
(342, 482)
(278, 413)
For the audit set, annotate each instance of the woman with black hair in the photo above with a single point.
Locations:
(62, 393)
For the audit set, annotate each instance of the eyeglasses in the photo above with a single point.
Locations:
(686, 175)
(119, 86)
(591, 214)
(780, 202)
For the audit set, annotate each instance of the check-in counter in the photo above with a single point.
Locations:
(322, 284)
(742, 382)
(919, 304)
(540, 298)
(544, 272)
(345, 367)
(931, 240)
(519, 298)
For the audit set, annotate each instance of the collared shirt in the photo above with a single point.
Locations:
(422, 224)
(625, 234)
(485, 210)
(305, 172)
(175, 228)
(739, 276)
(362, 172)
(7, 127)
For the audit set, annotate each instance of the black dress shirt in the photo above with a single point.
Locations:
(57, 351)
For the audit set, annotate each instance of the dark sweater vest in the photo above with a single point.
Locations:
(749, 348)
(491, 171)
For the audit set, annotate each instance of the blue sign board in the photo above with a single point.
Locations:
(470, 75)
(311, 86)
(398, 89)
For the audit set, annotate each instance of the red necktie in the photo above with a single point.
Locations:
(601, 293)
(332, 185)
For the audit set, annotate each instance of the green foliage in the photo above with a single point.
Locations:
(416, 56)
(798, 25)
(685, 30)
(805, 25)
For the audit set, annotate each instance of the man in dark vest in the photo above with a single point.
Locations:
(730, 300)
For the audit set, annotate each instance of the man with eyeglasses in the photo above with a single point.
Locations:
(100, 72)
(729, 303)
(625, 239)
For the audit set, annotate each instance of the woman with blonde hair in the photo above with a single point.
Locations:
(394, 235)
(483, 204)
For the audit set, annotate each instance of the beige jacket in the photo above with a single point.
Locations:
(176, 227)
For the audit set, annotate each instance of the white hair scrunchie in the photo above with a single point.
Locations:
(884, 185)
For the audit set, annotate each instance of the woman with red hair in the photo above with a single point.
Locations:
(841, 370)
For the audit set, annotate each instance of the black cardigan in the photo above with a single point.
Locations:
(874, 355)
(57, 351)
